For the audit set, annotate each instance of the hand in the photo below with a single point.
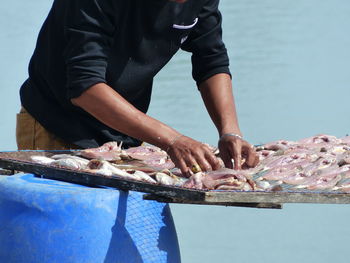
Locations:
(187, 153)
(236, 148)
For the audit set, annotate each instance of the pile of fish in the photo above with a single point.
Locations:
(320, 162)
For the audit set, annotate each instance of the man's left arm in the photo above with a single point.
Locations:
(210, 70)
(219, 101)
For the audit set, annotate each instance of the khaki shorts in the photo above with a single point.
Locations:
(30, 135)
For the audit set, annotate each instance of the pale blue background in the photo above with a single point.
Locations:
(291, 73)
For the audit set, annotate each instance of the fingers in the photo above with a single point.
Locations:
(252, 158)
(237, 156)
(181, 164)
(213, 160)
(191, 156)
(226, 158)
(238, 150)
(205, 159)
(230, 149)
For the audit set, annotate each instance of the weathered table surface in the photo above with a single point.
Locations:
(20, 161)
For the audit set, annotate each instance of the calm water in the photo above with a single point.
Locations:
(291, 72)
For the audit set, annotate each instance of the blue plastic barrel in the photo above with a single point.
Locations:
(45, 220)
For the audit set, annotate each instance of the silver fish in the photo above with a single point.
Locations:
(42, 159)
(169, 179)
(70, 163)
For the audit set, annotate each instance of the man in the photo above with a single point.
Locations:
(90, 78)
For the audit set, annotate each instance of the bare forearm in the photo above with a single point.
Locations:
(106, 105)
(219, 101)
(218, 98)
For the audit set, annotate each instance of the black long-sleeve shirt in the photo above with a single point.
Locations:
(123, 43)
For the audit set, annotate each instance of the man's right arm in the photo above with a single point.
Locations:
(106, 105)
(109, 107)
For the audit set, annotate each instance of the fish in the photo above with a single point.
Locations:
(108, 169)
(169, 179)
(344, 159)
(145, 152)
(263, 185)
(280, 173)
(151, 156)
(70, 163)
(81, 162)
(320, 139)
(110, 151)
(288, 159)
(41, 159)
(326, 178)
(136, 165)
(296, 178)
(343, 185)
(321, 182)
(277, 145)
(320, 162)
(141, 176)
(345, 140)
(222, 179)
(64, 156)
(263, 154)
(64, 161)
(195, 181)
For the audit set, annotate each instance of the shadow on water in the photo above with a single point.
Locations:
(121, 247)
